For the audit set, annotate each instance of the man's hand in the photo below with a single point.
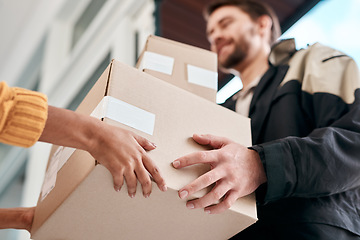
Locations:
(236, 171)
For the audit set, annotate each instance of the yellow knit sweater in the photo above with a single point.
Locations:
(23, 115)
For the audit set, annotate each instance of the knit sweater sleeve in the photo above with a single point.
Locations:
(23, 115)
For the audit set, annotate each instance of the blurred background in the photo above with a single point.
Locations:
(61, 47)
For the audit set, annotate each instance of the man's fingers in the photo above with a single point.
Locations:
(198, 184)
(195, 158)
(208, 139)
(210, 198)
(225, 204)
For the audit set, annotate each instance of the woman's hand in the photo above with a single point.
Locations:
(121, 151)
(17, 218)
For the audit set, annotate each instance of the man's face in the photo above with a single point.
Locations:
(232, 34)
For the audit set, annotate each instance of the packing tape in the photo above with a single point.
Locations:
(164, 64)
(202, 77)
(125, 113)
(109, 107)
(157, 62)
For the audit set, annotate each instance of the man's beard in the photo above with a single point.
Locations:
(241, 51)
(234, 58)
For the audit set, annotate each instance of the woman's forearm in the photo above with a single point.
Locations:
(17, 218)
(67, 128)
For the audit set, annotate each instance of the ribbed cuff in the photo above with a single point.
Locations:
(24, 118)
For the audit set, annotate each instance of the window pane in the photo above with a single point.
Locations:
(90, 83)
(333, 23)
(85, 19)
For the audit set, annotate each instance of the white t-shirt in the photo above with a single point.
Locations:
(244, 96)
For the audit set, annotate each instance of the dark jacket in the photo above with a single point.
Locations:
(305, 117)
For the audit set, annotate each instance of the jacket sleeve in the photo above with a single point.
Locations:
(327, 161)
(23, 115)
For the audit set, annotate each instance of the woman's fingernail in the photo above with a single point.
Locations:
(132, 195)
(207, 211)
(183, 194)
(190, 206)
(153, 144)
(163, 188)
(117, 188)
(176, 163)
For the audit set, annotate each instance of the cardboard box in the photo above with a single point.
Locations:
(78, 200)
(188, 67)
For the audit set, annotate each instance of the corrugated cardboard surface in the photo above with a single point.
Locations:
(93, 210)
(183, 54)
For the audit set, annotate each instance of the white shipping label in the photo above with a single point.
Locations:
(202, 77)
(65, 155)
(157, 62)
(125, 113)
(57, 161)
